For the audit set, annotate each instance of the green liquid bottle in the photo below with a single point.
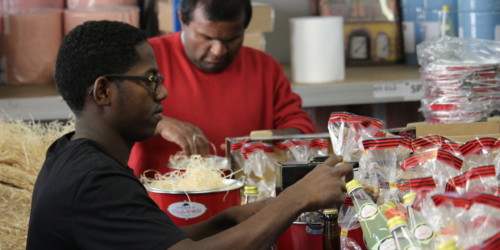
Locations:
(402, 236)
(372, 220)
(422, 232)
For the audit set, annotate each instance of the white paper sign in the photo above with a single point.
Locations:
(407, 90)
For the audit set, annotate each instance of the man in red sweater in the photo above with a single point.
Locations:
(217, 88)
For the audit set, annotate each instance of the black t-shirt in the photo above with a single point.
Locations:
(85, 199)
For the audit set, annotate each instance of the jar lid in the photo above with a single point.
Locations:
(395, 221)
(409, 197)
(250, 189)
(330, 211)
(352, 184)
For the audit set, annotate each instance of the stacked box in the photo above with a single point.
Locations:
(262, 22)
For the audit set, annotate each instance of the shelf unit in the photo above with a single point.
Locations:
(362, 85)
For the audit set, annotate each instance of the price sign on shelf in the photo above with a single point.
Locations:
(408, 90)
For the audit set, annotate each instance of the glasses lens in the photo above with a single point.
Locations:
(158, 80)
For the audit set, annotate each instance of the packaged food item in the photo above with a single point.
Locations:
(347, 222)
(348, 131)
(381, 160)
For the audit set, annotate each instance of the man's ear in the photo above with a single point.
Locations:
(101, 91)
(179, 15)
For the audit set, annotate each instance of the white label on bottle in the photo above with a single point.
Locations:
(368, 210)
(409, 36)
(186, 210)
(387, 244)
(422, 232)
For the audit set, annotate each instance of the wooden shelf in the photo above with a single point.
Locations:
(42, 102)
(360, 86)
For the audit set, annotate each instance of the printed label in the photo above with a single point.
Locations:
(368, 210)
(387, 244)
(186, 210)
(422, 232)
(407, 89)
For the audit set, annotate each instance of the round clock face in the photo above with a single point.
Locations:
(358, 47)
(382, 46)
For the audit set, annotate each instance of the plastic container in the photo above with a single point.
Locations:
(186, 208)
(479, 19)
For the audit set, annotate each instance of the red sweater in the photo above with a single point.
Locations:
(253, 93)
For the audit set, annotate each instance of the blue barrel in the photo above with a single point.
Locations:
(432, 16)
(479, 19)
(177, 21)
(412, 31)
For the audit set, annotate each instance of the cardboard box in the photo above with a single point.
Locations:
(255, 40)
(262, 17)
(460, 132)
(361, 11)
(372, 43)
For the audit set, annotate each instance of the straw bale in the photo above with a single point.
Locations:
(15, 208)
(12, 237)
(16, 177)
(23, 146)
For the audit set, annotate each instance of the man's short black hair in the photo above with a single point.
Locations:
(90, 50)
(218, 10)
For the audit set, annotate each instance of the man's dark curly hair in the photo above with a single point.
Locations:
(218, 10)
(90, 50)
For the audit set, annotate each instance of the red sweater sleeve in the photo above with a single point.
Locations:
(288, 106)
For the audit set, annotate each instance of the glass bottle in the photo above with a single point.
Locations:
(372, 220)
(402, 236)
(331, 232)
(446, 25)
(250, 193)
(422, 232)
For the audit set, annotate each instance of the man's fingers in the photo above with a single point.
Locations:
(344, 169)
(333, 160)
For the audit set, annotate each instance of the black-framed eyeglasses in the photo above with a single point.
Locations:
(154, 81)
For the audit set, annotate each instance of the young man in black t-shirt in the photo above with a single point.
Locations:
(86, 197)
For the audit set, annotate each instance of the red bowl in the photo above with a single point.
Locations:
(186, 208)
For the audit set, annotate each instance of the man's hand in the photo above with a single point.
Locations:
(189, 137)
(324, 186)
